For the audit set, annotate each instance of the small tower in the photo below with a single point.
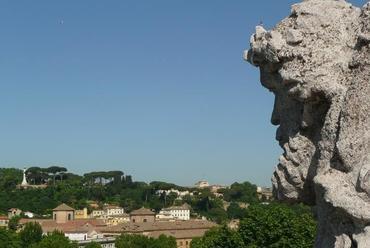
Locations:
(63, 213)
(24, 181)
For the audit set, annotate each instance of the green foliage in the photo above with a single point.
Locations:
(113, 187)
(55, 240)
(241, 192)
(31, 234)
(277, 225)
(269, 226)
(9, 239)
(140, 241)
(164, 241)
(206, 204)
(13, 223)
(93, 245)
(221, 237)
(9, 178)
(234, 211)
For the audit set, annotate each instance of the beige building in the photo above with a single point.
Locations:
(115, 220)
(4, 221)
(112, 210)
(81, 214)
(183, 231)
(264, 193)
(108, 211)
(63, 213)
(97, 213)
(14, 212)
(142, 215)
(202, 184)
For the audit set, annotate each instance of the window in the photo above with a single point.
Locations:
(145, 220)
(133, 220)
(69, 217)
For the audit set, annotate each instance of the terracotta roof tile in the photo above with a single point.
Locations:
(63, 207)
(142, 211)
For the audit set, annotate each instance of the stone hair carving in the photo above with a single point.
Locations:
(317, 64)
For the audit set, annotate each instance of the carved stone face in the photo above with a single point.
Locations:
(317, 64)
(303, 62)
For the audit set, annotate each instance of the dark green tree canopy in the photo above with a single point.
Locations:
(9, 239)
(30, 234)
(140, 241)
(270, 226)
(93, 245)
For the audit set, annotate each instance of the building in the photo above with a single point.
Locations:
(180, 194)
(14, 212)
(4, 221)
(29, 214)
(104, 242)
(264, 193)
(111, 215)
(108, 211)
(215, 188)
(176, 212)
(116, 219)
(142, 215)
(76, 230)
(97, 213)
(63, 213)
(183, 231)
(111, 210)
(202, 184)
(81, 214)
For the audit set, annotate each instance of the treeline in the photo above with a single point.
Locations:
(31, 236)
(115, 187)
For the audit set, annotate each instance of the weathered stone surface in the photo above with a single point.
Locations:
(317, 63)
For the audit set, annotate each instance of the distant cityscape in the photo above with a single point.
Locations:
(102, 222)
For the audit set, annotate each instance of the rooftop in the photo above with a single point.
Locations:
(63, 207)
(183, 207)
(142, 211)
(159, 226)
(73, 226)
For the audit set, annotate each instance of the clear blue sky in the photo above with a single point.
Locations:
(157, 89)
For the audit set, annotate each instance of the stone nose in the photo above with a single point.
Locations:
(275, 116)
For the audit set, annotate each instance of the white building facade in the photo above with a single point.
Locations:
(176, 212)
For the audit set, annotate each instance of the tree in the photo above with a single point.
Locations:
(93, 245)
(219, 237)
(164, 241)
(9, 239)
(241, 192)
(55, 170)
(132, 241)
(9, 178)
(14, 222)
(31, 234)
(270, 226)
(277, 225)
(55, 240)
(234, 211)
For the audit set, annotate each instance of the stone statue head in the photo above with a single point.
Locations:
(316, 62)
